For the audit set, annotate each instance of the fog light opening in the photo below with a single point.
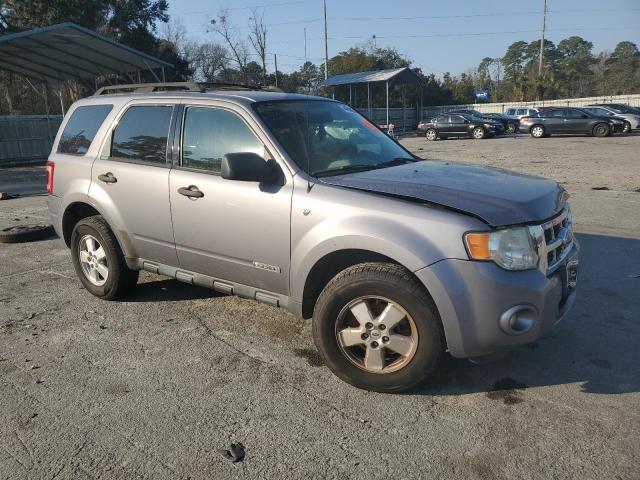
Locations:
(518, 320)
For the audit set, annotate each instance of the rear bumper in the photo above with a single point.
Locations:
(55, 215)
(472, 297)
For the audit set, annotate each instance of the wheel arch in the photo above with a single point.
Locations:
(79, 209)
(331, 264)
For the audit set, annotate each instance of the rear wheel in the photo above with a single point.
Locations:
(431, 134)
(601, 130)
(478, 133)
(99, 261)
(537, 131)
(377, 328)
(511, 127)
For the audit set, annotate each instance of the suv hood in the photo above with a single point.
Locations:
(498, 197)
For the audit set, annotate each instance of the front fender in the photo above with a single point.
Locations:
(413, 244)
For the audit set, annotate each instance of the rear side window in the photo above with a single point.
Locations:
(141, 134)
(210, 133)
(79, 131)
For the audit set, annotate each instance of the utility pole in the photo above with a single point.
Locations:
(305, 44)
(275, 60)
(544, 22)
(326, 48)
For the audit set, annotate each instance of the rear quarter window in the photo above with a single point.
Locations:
(81, 128)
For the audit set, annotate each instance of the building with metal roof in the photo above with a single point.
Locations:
(70, 52)
(391, 77)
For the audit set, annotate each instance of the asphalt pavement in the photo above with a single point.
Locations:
(154, 385)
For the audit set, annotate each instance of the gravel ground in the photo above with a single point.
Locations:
(153, 386)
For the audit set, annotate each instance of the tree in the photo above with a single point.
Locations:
(258, 39)
(575, 63)
(622, 70)
(237, 47)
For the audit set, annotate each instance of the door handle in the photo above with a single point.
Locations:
(191, 191)
(107, 178)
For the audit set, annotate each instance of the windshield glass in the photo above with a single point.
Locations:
(329, 138)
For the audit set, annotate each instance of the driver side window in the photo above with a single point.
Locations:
(210, 133)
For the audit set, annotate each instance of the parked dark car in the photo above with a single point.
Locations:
(554, 121)
(511, 124)
(458, 125)
(620, 107)
(508, 124)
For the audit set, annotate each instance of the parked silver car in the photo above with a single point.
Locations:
(301, 202)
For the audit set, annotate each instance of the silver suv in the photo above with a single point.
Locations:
(301, 202)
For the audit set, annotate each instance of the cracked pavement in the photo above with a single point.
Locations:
(154, 385)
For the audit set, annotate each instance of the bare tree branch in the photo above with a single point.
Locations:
(258, 39)
(239, 50)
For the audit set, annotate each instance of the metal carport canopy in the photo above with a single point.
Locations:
(391, 77)
(70, 52)
(394, 76)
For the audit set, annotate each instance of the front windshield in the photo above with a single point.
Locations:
(329, 138)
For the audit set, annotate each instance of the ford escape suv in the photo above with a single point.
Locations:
(302, 203)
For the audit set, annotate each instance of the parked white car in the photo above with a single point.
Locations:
(521, 112)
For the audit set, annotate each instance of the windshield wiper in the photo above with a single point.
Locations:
(342, 169)
(363, 167)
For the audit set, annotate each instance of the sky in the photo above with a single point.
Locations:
(438, 36)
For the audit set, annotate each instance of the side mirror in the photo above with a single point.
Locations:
(251, 167)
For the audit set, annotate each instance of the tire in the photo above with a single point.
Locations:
(26, 233)
(537, 131)
(478, 133)
(511, 128)
(378, 286)
(102, 253)
(431, 134)
(626, 128)
(601, 130)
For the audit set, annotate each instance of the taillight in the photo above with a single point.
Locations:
(50, 168)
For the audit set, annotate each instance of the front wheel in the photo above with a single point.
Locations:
(377, 328)
(537, 131)
(431, 134)
(626, 128)
(98, 260)
(601, 130)
(478, 133)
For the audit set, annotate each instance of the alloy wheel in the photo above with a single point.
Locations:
(93, 260)
(376, 334)
(537, 131)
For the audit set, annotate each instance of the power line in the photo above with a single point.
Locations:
(263, 5)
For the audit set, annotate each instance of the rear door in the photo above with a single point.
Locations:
(237, 231)
(553, 120)
(130, 179)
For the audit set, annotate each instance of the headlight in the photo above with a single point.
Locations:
(510, 248)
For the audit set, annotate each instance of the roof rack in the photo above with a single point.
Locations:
(172, 87)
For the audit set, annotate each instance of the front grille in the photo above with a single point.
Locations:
(554, 240)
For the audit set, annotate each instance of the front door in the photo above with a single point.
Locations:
(459, 125)
(130, 180)
(237, 231)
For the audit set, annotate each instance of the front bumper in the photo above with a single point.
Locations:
(471, 298)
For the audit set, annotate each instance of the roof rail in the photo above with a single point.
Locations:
(172, 87)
